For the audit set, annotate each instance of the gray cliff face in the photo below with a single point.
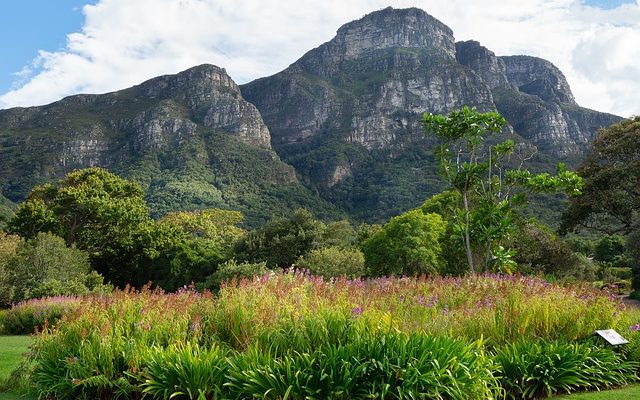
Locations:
(386, 29)
(483, 62)
(370, 84)
(538, 77)
(347, 114)
(213, 100)
(534, 96)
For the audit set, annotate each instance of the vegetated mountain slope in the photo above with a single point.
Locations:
(347, 114)
(190, 139)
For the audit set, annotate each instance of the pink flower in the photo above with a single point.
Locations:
(635, 327)
(356, 311)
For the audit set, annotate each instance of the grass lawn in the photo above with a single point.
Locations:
(11, 349)
(629, 392)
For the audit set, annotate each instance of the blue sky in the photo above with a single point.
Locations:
(62, 47)
(27, 26)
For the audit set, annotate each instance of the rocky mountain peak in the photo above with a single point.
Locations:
(194, 84)
(388, 28)
(538, 77)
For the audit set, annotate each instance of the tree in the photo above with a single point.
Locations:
(8, 247)
(610, 202)
(334, 261)
(98, 212)
(45, 266)
(408, 244)
(478, 173)
(281, 241)
(611, 195)
(90, 208)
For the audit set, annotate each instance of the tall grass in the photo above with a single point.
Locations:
(297, 336)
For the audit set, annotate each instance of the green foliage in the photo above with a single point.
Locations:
(218, 228)
(45, 266)
(609, 248)
(539, 250)
(409, 244)
(95, 211)
(479, 174)
(8, 246)
(333, 261)
(281, 241)
(610, 198)
(389, 366)
(185, 371)
(6, 210)
(233, 270)
(445, 204)
(303, 337)
(531, 369)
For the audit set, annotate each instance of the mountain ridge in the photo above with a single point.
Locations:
(344, 118)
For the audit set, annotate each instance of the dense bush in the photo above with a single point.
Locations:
(233, 270)
(34, 315)
(333, 261)
(539, 250)
(45, 266)
(409, 244)
(282, 240)
(8, 246)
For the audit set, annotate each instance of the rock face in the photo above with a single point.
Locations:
(190, 139)
(347, 114)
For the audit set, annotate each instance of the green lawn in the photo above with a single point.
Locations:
(11, 350)
(627, 393)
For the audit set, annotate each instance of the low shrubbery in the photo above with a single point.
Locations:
(34, 315)
(296, 336)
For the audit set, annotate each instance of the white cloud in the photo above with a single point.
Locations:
(125, 42)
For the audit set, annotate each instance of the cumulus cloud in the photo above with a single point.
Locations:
(123, 43)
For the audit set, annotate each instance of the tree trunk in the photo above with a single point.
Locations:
(467, 238)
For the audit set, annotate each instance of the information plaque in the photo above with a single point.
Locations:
(612, 337)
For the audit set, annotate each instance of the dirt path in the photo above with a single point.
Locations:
(630, 302)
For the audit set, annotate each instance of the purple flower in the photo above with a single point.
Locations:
(635, 327)
(356, 311)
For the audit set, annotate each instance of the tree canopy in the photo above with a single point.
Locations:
(611, 196)
(408, 244)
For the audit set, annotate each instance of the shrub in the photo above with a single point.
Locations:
(391, 366)
(333, 261)
(539, 250)
(36, 314)
(409, 244)
(45, 266)
(533, 368)
(230, 270)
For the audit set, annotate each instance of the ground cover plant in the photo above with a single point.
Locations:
(293, 335)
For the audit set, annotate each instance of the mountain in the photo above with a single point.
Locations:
(347, 114)
(343, 120)
(190, 139)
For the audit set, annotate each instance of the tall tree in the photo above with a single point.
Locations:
(98, 212)
(611, 196)
(489, 190)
